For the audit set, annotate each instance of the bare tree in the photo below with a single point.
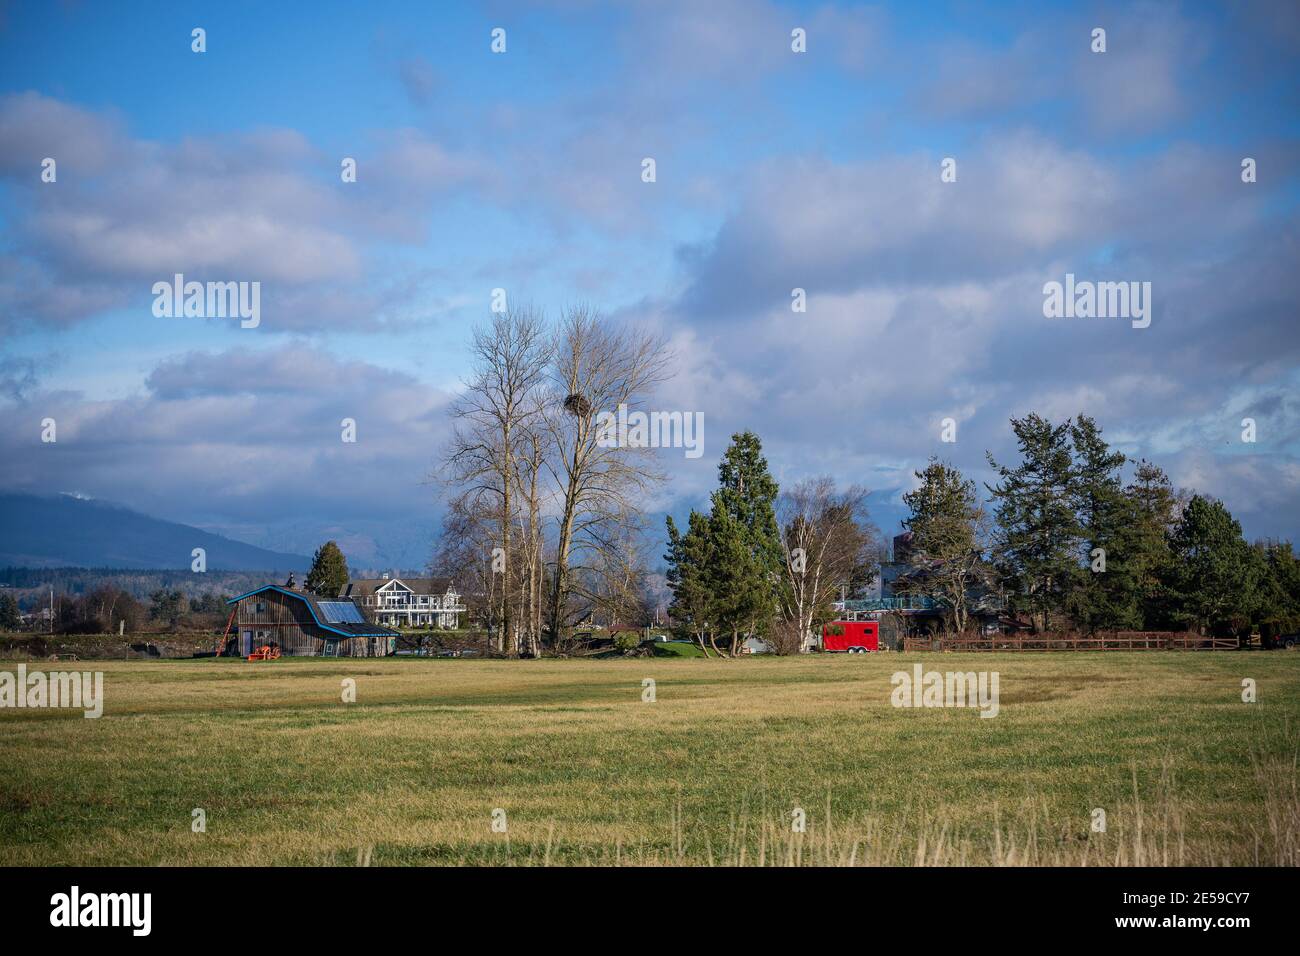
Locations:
(828, 541)
(596, 367)
(464, 554)
(494, 418)
(613, 576)
(532, 540)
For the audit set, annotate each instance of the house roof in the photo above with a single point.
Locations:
(364, 587)
(321, 616)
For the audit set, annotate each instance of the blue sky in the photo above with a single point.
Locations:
(522, 171)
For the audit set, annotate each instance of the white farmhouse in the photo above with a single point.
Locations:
(407, 602)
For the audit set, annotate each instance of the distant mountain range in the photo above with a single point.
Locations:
(66, 531)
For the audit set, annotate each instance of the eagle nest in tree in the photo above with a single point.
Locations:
(578, 405)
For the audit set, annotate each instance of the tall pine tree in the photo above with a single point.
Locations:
(945, 553)
(1153, 507)
(1213, 578)
(746, 547)
(1106, 593)
(689, 566)
(329, 571)
(10, 618)
(1038, 534)
(1279, 591)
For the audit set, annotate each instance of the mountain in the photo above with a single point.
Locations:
(66, 531)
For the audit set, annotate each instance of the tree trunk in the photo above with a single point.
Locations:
(559, 589)
(511, 648)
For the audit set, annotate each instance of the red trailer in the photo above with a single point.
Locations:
(853, 637)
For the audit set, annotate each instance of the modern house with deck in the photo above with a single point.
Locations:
(407, 602)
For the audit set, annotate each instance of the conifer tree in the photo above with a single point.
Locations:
(1213, 580)
(10, 618)
(329, 571)
(689, 564)
(745, 540)
(1153, 508)
(945, 520)
(1038, 534)
(1106, 593)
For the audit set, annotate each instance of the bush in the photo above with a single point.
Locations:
(784, 638)
(627, 641)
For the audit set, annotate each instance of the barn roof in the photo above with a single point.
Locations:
(326, 613)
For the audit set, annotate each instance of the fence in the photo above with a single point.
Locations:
(1112, 641)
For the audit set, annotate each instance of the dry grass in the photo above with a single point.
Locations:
(707, 774)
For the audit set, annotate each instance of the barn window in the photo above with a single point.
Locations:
(259, 607)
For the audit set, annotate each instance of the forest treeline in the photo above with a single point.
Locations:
(1060, 540)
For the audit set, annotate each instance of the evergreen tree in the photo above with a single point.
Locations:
(10, 619)
(1279, 591)
(1214, 576)
(743, 596)
(1153, 509)
(745, 540)
(689, 564)
(1036, 547)
(329, 571)
(1106, 592)
(945, 552)
(167, 606)
(748, 493)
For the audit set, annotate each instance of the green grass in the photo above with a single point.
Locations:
(676, 649)
(710, 772)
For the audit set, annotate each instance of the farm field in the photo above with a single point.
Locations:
(710, 772)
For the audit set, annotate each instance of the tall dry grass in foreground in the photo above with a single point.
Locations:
(1145, 831)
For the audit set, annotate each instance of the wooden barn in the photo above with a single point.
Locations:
(303, 624)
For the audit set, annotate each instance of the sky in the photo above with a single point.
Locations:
(522, 170)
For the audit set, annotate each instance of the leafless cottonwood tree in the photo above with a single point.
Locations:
(614, 574)
(595, 368)
(532, 539)
(494, 421)
(827, 538)
(469, 533)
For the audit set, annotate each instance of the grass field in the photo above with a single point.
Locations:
(710, 772)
